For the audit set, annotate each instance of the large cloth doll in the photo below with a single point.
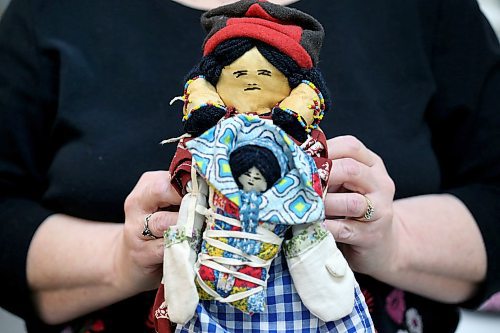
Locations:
(259, 59)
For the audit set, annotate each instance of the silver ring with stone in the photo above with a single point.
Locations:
(146, 232)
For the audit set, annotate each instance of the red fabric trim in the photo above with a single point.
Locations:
(320, 136)
(180, 167)
(293, 31)
(256, 10)
(286, 38)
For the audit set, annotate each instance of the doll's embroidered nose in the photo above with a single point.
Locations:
(252, 86)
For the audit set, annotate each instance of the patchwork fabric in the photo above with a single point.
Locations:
(244, 231)
(228, 273)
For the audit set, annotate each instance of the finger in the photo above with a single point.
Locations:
(152, 192)
(350, 146)
(352, 205)
(151, 253)
(344, 231)
(351, 174)
(160, 221)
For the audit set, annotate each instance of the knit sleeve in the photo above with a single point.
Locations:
(465, 120)
(25, 123)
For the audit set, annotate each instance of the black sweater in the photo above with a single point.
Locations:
(84, 100)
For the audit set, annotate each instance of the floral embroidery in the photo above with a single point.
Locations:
(178, 235)
(318, 106)
(395, 305)
(304, 240)
(174, 235)
(414, 321)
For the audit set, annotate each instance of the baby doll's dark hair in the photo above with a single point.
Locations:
(245, 157)
(228, 51)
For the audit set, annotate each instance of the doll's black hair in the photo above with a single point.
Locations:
(245, 157)
(228, 51)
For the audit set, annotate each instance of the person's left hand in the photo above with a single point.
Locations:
(359, 179)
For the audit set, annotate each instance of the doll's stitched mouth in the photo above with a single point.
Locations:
(251, 88)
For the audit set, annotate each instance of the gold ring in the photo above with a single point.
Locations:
(370, 210)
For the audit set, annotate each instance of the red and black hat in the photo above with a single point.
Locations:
(289, 30)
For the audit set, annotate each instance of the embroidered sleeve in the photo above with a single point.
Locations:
(306, 103)
(198, 93)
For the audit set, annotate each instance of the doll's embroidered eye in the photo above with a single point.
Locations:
(264, 72)
(240, 73)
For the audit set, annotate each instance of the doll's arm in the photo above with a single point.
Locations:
(180, 254)
(320, 273)
(301, 111)
(203, 107)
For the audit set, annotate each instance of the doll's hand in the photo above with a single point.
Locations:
(138, 258)
(358, 174)
(289, 124)
(203, 118)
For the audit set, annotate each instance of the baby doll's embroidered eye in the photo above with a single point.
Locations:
(240, 73)
(264, 72)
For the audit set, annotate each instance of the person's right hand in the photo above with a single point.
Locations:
(138, 258)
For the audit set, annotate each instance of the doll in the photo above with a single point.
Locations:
(259, 59)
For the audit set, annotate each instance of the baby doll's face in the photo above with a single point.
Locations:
(253, 180)
(251, 84)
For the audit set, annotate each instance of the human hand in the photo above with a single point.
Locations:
(358, 179)
(138, 257)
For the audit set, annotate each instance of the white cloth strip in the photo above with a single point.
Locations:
(172, 140)
(232, 261)
(209, 213)
(232, 249)
(265, 238)
(239, 275)
(230, 298)
(177, 98)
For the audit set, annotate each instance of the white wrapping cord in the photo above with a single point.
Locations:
(221, 263)
(176, 139)
(177, 98)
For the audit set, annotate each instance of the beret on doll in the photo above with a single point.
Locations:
(257, 41)
(289, 30)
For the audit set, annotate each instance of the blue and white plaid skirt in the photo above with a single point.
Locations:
(285, 312)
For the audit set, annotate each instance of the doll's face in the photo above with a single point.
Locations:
(253, 180)
(251, 84)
